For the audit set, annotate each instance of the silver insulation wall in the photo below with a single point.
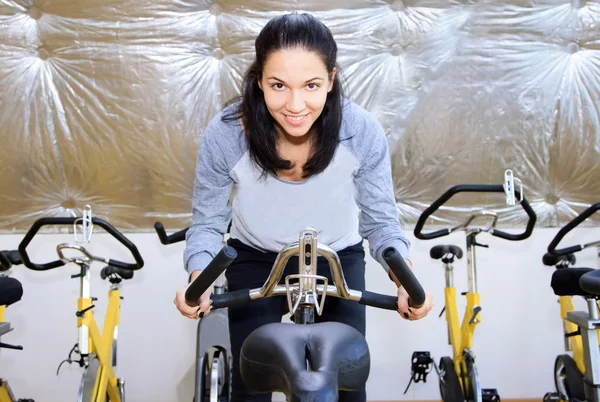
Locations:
(104, 102)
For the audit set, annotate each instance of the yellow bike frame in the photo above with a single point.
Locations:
(102, 344)
(461, 335)
(572, 343)
(4, 393)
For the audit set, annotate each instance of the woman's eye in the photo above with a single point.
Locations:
(278, 86)
(312, 86)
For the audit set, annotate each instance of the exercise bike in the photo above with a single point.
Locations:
(458, 374)
(97, 351)
(212, 381)
(576, 377)
(304, 360)
(11, 292)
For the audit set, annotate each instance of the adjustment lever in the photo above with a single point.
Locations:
(7, 346)
(476, 311)
(81, 274)
(480, 245)
(81, 313)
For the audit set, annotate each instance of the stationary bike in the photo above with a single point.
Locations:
(576, 377)
(213, 349)
(11, 292)
(458, 374)
(97, 350)
(304, 360)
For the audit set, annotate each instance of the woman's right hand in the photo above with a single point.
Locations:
(192, 312)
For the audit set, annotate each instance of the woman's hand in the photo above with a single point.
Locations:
(192, 312)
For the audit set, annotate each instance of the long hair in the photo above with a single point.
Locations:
(288, 32)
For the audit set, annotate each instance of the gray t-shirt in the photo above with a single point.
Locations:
(350, 200)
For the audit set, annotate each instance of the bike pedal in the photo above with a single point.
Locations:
(420, 366)
(552, 397)
(490, 395)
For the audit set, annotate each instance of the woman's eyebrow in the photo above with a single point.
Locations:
(312, 79)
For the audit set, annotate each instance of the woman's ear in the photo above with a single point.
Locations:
(332, 79)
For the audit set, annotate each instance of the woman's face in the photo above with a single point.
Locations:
(295, 84)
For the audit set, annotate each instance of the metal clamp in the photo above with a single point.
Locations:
(509, 188)
(302, 293)
(87, 226)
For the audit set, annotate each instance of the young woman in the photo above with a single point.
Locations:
(301, 155)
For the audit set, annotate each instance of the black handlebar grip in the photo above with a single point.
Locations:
(237, 298)
(528, 229)
(52, 221)
(209, 275)
(406, 277)
(169, 239)
(378, 300)
(590, 282)
(567, 228)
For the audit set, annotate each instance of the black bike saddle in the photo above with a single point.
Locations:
(274, 359)
(11, 291)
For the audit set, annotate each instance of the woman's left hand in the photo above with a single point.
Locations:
(411, 313)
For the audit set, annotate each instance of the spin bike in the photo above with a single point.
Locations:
(11, 292)
(576, 378)
(212, 382)
(458, 375)
(304, 360)
(97, 351)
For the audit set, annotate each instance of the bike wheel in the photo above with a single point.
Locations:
(449, 385)
(473, 390)
(88, 381)
(568, 379)
(216, 380)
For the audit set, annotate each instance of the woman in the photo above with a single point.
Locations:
(300, 155)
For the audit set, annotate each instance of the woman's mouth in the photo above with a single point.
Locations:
(295, 120)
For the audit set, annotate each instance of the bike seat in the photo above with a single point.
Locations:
(565, 282)
(115, 274)
(11, 291)
(550, 260)
(8, 259)
(591, 282)
(274, 359)
(450, 251)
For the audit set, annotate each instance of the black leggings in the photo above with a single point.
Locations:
(250, 270)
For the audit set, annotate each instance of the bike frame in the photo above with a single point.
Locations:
(5, 393)
(461, 335)
(91, 341)
(574, 343)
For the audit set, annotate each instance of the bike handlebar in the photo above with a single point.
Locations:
(172, 238)
(567, 228)
(56, 221)
(473, 188)
(271, 288)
